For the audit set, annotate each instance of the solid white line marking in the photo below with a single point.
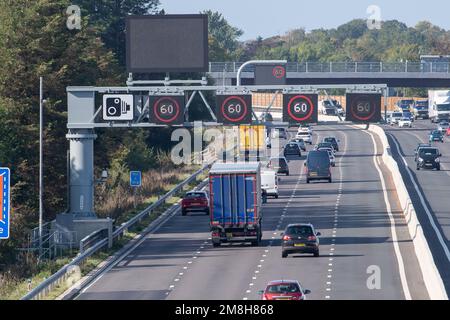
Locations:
(422, 201)
(398, 254)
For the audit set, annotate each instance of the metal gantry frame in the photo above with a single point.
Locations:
(84, 114)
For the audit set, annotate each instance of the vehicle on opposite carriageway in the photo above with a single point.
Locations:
(428, 158)
(420, 109)
(436, 136)
(405, 123)
(420, 145)
(443, 126)
(394, 117)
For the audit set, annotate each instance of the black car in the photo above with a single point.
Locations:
(318, 166)
(292, 149)
(333, 141)
(280, 165)
(300, 238)
(420, 145)
(428, 158)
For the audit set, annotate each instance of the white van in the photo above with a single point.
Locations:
(269, 182)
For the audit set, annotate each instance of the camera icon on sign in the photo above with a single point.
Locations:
(118, 107)
(115, 107)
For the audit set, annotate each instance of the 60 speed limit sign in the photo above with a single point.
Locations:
(234, 109)
(300, 108)
(167, 110)
(363, 107)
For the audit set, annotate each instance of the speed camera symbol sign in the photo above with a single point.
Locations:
(300, 108)
(118, 107)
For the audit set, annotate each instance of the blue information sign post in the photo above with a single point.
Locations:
(135, 178)
(135, 182)
(4, 202)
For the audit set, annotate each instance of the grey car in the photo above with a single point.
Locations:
(300, 238)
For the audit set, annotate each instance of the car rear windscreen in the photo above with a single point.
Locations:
(300, 231)
(283, 288)
(195, 195)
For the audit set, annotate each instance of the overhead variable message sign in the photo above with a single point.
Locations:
(234, 109)
(270, 74)
(118, 107)
(363, 107)
(4, 202)
(167, 110)
(167, 43)
(300, 108)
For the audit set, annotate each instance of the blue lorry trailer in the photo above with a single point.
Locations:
(235, 203)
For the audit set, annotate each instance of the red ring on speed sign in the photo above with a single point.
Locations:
(175, 103)
(352, 110)
(279, 72)
(310, 106)
(240, 100)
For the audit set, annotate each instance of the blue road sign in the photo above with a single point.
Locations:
(4, 202)
(135, 178)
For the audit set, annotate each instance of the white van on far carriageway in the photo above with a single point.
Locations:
(269, 183)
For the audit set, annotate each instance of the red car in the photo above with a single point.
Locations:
(284, 290)
(197, 201)
(447, 132)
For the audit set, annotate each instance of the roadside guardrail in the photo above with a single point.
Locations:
(65, 273)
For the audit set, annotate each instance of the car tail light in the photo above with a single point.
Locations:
(215, 223)
(312, 238)
(286, 238)
(215, 234)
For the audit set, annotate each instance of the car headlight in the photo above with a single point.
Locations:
(437, 160)
(420, 160)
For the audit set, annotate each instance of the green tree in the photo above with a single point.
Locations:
(223, 38)
(109, 16)
(34, 41)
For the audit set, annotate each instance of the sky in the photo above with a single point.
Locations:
(274, 17)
